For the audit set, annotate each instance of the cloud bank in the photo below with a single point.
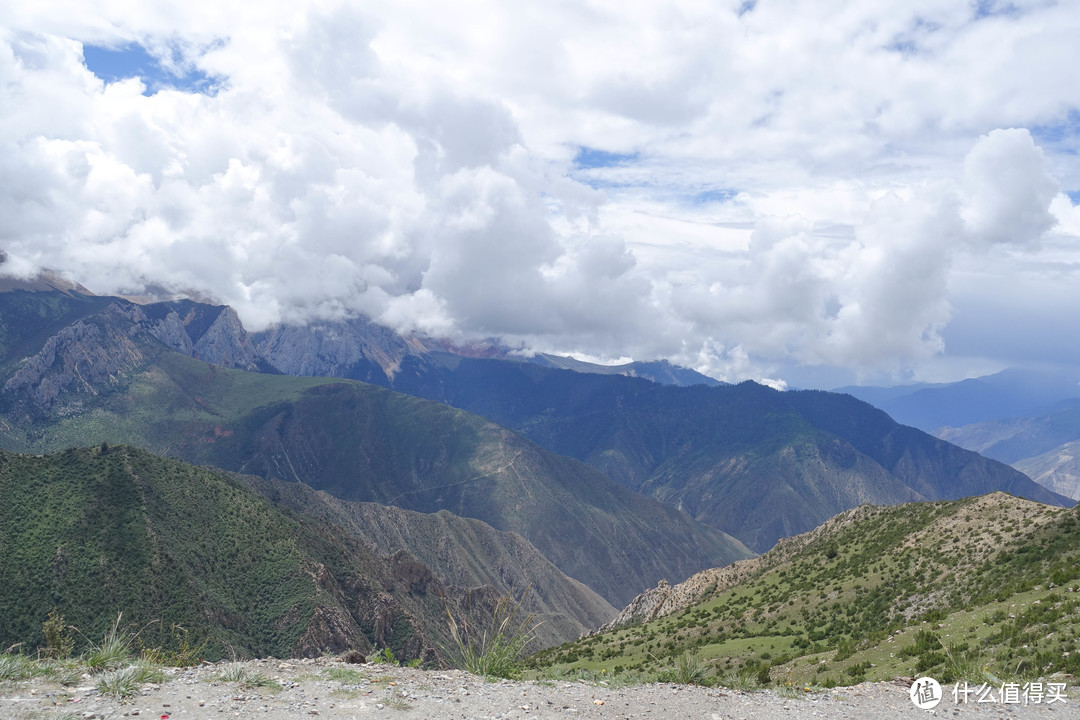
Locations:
(764, 190)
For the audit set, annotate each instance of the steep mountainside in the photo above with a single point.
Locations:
(96, 532)
(754, 462)
(460, 552)
(212, 333)
(108, 377)
(1058, 469)
(54, 343)
(357, 350)
(977, 589)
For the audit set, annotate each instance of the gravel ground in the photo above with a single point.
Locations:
(379, 691)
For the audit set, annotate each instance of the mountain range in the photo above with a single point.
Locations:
(110, 377)
(616, 478)
(746, 459)
(1014, 392)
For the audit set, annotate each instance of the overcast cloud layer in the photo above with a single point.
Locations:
(810, 192)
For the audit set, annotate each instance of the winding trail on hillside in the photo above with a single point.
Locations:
(430, 488)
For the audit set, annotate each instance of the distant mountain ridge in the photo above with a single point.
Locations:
(1011, 393)
(1013, 439)
(758, 463)
(1057, 469)
(1028, 418)
(360, 349)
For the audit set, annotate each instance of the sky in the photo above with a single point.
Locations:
(807, 194)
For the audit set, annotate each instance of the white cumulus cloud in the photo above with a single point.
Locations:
(758, 190)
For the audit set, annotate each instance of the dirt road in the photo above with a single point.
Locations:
(327, 688)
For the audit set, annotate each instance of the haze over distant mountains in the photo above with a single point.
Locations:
(1015, 392)
(1029, 418)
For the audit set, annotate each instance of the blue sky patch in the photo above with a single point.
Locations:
(904, 47)
(715, 195)
(1058, 133)
(990, 8)
(112, 64)
(588, 158)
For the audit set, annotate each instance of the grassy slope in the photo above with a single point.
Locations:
(95, 532)
(988, 581)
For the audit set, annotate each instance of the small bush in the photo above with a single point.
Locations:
(123, 684)
(494, 650)
(186, 654)
(59, 641)
(736, 680)
(239, 674)
(113, 651)
(383, 657)
(689, 669)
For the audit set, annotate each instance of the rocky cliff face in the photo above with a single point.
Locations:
(211, 333)
(81, 358)
(665, 599)
(226, 343)
(356, 348)
(104, 349)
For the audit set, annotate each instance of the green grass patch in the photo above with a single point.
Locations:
(344, 675)
(884, 593)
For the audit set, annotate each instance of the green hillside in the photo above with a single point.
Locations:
(97, 532)
(942, 588)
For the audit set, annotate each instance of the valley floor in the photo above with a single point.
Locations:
(326, 688)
